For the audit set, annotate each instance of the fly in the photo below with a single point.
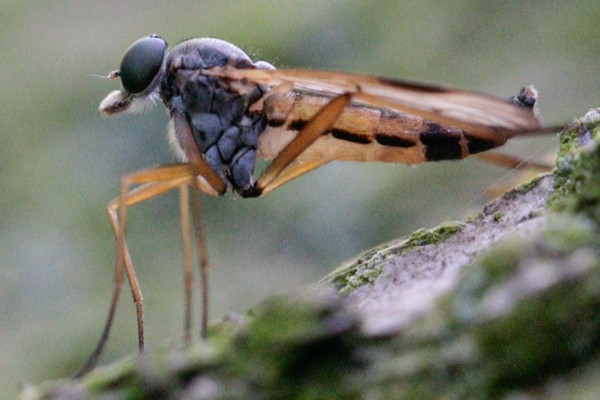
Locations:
(225, 111)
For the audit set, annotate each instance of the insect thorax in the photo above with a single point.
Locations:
(224, 129)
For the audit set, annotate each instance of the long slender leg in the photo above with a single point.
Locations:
(321, 123)
(135, 196)
(513, 162)
(154, 182)
(202, 256)
(171, 176)
(187, 261)
(93, 358)
(293, 171)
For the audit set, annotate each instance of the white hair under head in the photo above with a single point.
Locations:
(143, 104)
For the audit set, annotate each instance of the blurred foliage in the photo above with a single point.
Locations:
(60, 161)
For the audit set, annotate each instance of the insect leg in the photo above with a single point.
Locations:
(187, 255)
(184, 207)
(154, 181)
(202, 256)
(322, 122)
(293, 171)
(131, 198)
(513, 162)
(209, 182)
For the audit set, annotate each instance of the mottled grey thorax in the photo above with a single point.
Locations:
(224, 129)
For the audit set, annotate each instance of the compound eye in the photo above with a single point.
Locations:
(142, 63)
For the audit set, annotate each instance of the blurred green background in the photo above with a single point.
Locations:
(60, 161)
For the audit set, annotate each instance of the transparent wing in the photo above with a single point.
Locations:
(479, 114)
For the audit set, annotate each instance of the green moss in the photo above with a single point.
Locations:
(498, 216)
(523, 314)
(297, 350)
(577, 174)
(424, 237)
(531, 305)
(566, 233)
(367, 267)
(523, 346)
(527, 186)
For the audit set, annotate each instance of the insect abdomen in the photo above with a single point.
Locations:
(363, 133)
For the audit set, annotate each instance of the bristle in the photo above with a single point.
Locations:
(143, 104)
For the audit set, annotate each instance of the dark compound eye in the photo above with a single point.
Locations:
(142, 63)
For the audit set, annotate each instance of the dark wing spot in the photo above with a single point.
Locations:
(477, 145)
(350, 137)
(392, 140)
(276, 122)
(297, 125)
(441, 143)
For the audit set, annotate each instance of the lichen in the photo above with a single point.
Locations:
(424, 237)
(527, 186)
(368, 266)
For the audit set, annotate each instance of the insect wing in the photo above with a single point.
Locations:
(387, 121)
(476, 113)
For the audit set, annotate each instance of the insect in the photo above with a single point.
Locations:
(225, 111)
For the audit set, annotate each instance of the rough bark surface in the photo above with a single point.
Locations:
(410, 281)
(505, 305)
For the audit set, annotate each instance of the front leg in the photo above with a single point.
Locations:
(154, 182)
(320, 124)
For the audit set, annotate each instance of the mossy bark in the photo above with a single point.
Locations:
(505, 305)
